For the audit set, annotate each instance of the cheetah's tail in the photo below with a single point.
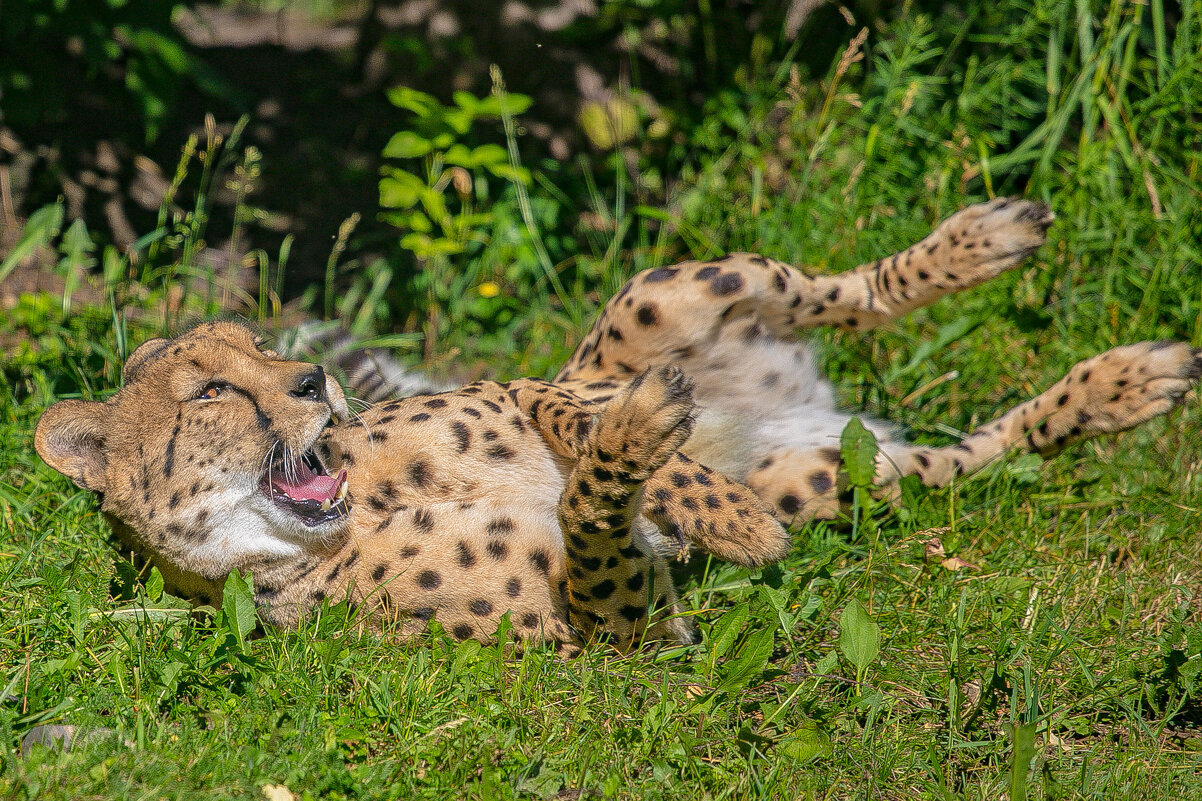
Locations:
(369, 374)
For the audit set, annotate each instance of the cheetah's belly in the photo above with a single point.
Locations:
(454, 515)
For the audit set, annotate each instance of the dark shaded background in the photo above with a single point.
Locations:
(98, 98)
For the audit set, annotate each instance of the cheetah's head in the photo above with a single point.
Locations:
(207, 453)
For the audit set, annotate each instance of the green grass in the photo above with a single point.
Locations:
(1076, 638)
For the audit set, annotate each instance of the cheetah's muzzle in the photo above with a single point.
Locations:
(305, 490)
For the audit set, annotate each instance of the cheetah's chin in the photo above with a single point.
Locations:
(306, 491)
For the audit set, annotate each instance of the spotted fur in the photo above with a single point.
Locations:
(557, 503)
(515, 498)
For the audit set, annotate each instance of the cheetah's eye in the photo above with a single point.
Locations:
(211, 391)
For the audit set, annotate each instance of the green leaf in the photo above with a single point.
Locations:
(467, 653)
(1023, 737)
(518, 175)
(516, 103)
(859, 637)
(420, 222)
(725, 629)
(170, 51)
(407, 145)
(400, 189)
(751, 660)
(912, 491)
(435, 204)
(610, 124)
(807, 743)
(458, 121)
(466, 101)
(169, 608)
(168, 677)
(419, 103)
(809, 607)
(125, 583)
(510, 103)
(238, 604)
(489, 156)
(425, 247)
(945, 336)
(859, 453)
(77, 247)
(154, 584)
(41, 227)
(1024, 469)
(114, 264)
(459, 156)
(827, 663)
(504, 629)
(418, 243)
(778, 599)
(596, 126)
(750, 741)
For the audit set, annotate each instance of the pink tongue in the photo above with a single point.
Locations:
(309, 486)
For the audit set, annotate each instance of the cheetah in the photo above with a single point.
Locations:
(498, 498)
(690, 415)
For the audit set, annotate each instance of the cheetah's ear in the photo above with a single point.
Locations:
(143, 354)
(70, 438)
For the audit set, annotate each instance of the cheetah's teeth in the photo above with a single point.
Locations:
(342, 489)
(325, 505)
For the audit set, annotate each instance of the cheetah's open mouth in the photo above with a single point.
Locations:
(305, 490)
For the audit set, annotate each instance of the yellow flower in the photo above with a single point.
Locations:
(489, 289)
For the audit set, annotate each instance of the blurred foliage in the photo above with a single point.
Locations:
(917, 115)
(459, 198)
(710, 130)
(123, 55)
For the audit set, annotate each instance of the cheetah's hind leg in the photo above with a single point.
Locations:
(1108, 393)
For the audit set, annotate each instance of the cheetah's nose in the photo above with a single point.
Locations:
(311, 386)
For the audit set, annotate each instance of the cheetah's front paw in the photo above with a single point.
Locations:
(647, 422)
